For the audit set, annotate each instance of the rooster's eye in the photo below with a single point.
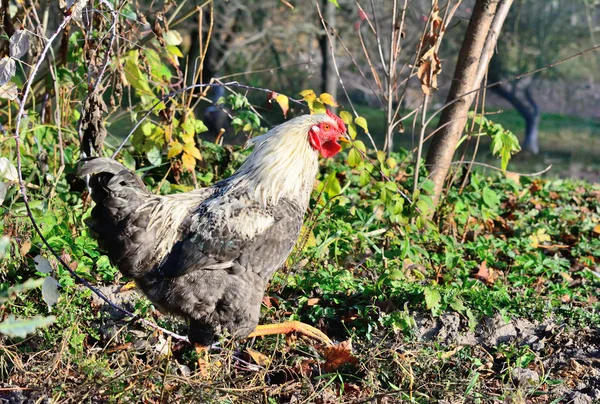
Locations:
(326, 126)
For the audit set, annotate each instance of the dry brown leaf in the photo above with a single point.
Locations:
(452, 352)
(485, 274)
(596, 230)
(25, 247)
(258, 357)
(338, 355)
(513, 176)
(312, 301)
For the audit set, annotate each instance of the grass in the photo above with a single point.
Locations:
(571, 144)
(499, 250)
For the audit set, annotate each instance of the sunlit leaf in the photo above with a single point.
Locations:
(308, 95)
(362, 122)
(360, 145)
(20, 328)
(200, 126)
(19, 43)
(318, 107)
(172, 37)
(8, 171)
(283, 102)
(3, 190)
(490, 198)
(189, 162)
(8, 68)
(192, 150)
(354, 157)
(328, 99)
(338, 355)
(175, 149)
(50, 292)
(332, 185)
(346, 117)
(9, 91)
(174, 51)
(154, 156)
(42, 264)
(432, 298)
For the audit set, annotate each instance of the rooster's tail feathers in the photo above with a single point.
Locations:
(120, 227)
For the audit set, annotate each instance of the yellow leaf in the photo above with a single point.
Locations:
(308, 95)
(327, 99)
(318, 108)
(283, 102)
(346, 117)
(539, 238)
(189, 162)
(596, 229)
(192, 150)
(174, 50)
(258, 357)
(362, 122)
(352, 130)
(175, 149)
(187, 138)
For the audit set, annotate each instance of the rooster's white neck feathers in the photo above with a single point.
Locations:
(283, 163)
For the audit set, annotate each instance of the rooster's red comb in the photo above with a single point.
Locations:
(340, 124)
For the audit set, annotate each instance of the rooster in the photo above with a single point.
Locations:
(207, 255)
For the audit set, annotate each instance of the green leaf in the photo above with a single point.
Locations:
(174, 51)
(352, 130)
(364, 178)
(346, 117)
(134, 75)
(335, 2)
(362, 122)
(332, 185)
(128, 160)
(318, 107)
(490, 198)
(360, 145)
(154, 156)
(200, 126)
(20, 328)
(432, 298)
(354, 158)
(458, 305)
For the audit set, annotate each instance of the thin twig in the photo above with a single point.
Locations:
(23, 189)
(192, 87)
(337, 70)
(536, 174)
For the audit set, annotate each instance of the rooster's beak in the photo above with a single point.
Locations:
(345, 138)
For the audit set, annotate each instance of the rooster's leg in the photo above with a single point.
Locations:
(289, 327)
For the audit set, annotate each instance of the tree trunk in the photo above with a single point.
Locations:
(329, 83)
(530, 113)
(454, 116)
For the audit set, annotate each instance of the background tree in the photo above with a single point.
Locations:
(529, 42)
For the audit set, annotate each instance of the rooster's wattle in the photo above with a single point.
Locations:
(207, 255)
